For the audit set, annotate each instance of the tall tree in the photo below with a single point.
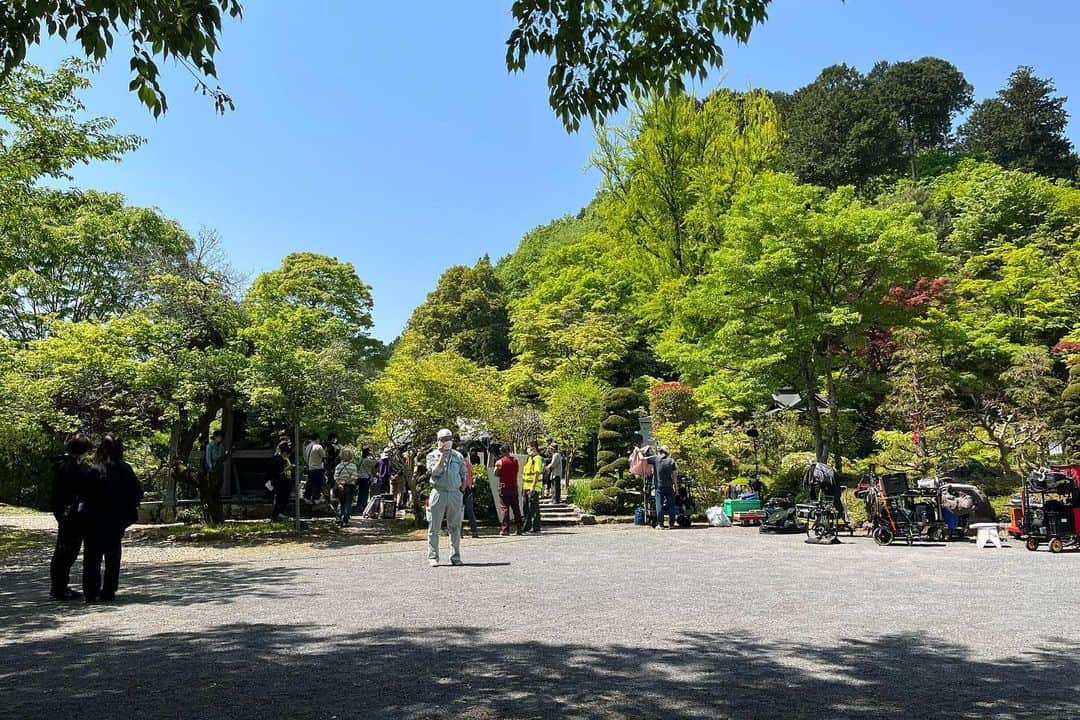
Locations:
(80, 257)
(838, 131)
(791, 296)
(575, 407)
(185, 31)
(676, 165)
(466, 312)
(925, 95)
(1023, 128)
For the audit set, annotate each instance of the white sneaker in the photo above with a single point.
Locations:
(433, 563)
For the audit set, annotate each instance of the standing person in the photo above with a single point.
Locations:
(365, 469)
(532, 483)
(333, 453)
(110, 505)
(665, 469)
(469, 495)
(382, 473)
(447, 468)
(314, 456)
(281, 478)
(215, 460)
(506, 469)
(69, 478)
(346, 475)
(554, 470)
(544, 455)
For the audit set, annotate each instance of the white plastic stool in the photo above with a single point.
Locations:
(988, 533)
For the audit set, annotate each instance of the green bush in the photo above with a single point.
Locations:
(855, 508)
(618, 423)
(609, 436)
(485, 504)
(615, 467)
(789, 479)
(599, 483)
(601, 504)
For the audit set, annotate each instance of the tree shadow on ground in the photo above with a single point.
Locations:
(255, 670)
(26, 606)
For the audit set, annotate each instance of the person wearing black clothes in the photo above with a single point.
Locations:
(281, 479)
(664, 473)
(108, 506)
(69, 476)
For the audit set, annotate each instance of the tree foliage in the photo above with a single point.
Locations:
(183, 31)
(466, 312)
(606, 52)
(838, 131)
(1023, 127)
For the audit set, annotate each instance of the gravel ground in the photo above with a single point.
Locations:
(603, 622)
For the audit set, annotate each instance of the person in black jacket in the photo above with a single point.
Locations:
(109, 505)
(69, 476)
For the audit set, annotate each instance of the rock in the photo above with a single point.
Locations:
(587, 519)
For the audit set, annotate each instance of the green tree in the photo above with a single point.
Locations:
(80, 256)
(676, 165)
(606, 52)
(307, 326)
(43, 135)
(1023, 127)
(1015, 262)
(518, 271)
(183, 31)
(575, 407)
(791, 296)
(839, 132)
(578, 319)
(466, 312)
(925, 95)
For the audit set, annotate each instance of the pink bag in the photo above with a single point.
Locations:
(638, 465)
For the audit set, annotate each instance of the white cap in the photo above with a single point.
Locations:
(445, 434)
(664, 449)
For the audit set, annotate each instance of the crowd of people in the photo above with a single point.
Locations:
(94, 503)
(96, 493)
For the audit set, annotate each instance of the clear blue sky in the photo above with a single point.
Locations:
(397, 141)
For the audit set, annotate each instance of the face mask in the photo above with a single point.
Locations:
(446, 444)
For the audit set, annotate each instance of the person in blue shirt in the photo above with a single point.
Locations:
(447, 468)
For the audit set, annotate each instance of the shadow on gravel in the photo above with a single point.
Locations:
(25, 604)
(248, 671)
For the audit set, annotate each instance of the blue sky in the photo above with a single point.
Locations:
(397, 141)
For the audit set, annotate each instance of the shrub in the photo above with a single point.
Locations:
(601, 504)
(855, 508)
(599, 483)
(674, 403)
(789, 479)
(619, 465)
(485, 504)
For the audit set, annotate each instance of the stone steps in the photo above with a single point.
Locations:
(562, 513)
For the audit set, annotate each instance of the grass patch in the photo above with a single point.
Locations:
(17, 510)
(257, 532)
(14, 541)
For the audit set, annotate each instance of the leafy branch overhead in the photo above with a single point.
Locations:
(185, 31)
(604, 51)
